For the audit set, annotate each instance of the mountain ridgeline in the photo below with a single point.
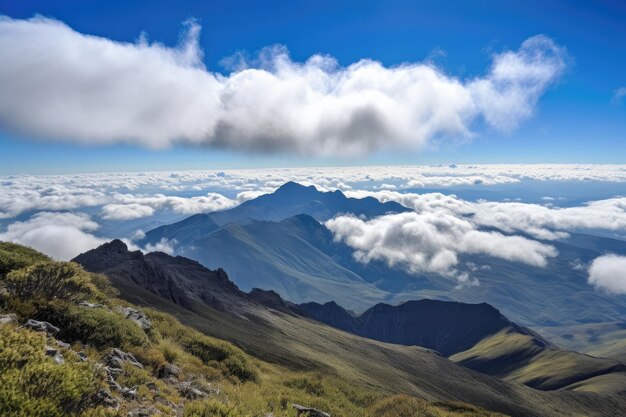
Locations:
(447, 327)
(278, 241)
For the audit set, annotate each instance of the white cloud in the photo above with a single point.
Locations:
(60, 235)
(537, 220)
(126, 211)
(608, 272)
(618, 95)
(164, 245)
(431, 241)
(57, 83)
(134, 206)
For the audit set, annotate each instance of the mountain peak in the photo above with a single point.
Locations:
(292, 186)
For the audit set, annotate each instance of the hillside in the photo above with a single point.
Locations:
(475, 335)
(287, 339)
(70, 347)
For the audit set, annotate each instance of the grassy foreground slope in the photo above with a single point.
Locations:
(81, 353)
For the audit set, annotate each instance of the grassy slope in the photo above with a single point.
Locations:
(32, 384)
(597, 339)
(533, 364)
(302, 344)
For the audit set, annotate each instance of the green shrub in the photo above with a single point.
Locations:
(207, 349)
(14, 256)
(97, 327)
(51, 280)
(309, 385)
(209, 408)
(32, 384)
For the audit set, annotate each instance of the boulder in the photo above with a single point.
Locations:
(169, 370)
(105, 398)
(187, 390)
(41, 326)
(137, 316)
(8, 318)
(91, 305)
(116, 357)
(55, 354)
(308, 411)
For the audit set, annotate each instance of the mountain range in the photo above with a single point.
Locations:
(278, 241)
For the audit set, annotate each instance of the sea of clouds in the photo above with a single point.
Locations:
(63, 215)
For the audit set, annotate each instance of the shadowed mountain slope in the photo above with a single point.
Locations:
(475, 335)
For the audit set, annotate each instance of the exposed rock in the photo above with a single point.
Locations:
(82, 356)
(143, 412)
(308, 411)
(8, 318)
(116, 357)
(137, 316)
(187, 390)
(63, 344)
(105, 398)
(91, 305)
(41, 326)
(169, 370)
(130, 393)
(153, 387)
(56, 355)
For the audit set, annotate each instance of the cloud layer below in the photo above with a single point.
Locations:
(59, 84)
(60, 235)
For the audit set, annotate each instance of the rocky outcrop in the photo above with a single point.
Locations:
(309, 412)
(8, 318)
(136, 316)
(116, 358)
(41, 326)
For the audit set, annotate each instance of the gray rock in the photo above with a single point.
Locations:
(137, 316)
(187, 390)
(91, 305)
(41, 326)
(308, 411)
(105, 398)
(8, 318)
(143, 412)
(63, 344)
(169, 370)
(56, 355)
(116, 357)
(82, 356)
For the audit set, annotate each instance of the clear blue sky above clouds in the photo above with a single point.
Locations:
(576, 120)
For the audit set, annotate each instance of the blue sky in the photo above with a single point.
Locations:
(575, 120)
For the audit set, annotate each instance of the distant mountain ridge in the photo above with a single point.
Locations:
(299, 258)
(445, 326)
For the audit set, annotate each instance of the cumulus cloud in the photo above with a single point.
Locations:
(608, 272)
(431, 242)
(60, 235)
(126, 211)
(59, 84)
(164, 245)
